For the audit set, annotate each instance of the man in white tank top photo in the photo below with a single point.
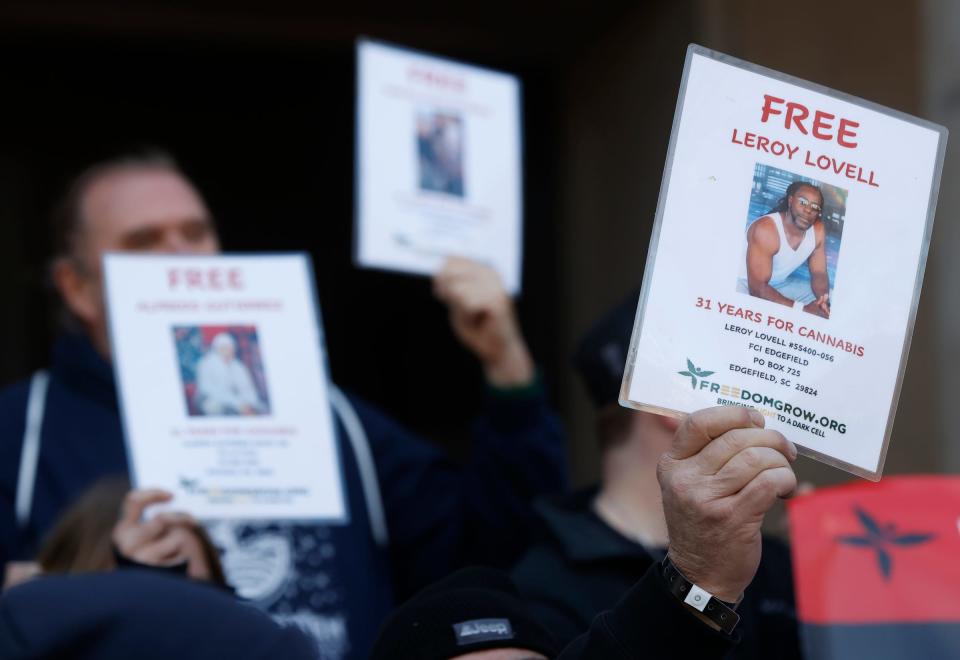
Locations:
(783, 240)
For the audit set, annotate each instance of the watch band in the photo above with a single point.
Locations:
(718, 611)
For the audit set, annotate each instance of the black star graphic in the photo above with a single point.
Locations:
(882, 539)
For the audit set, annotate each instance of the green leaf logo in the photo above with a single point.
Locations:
(189, 485)
(693, 373)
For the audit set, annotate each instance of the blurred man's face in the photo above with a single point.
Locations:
(131, 210)
(502, 654)
(145, 210)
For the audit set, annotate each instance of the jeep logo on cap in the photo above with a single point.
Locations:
(482, 630)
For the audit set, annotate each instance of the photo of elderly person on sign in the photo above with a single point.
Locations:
(224, 383)
(787, 247)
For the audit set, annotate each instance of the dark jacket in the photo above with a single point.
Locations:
(480, 609)
(580, 567)
(138, 614)
(648, 622)
(334, 581)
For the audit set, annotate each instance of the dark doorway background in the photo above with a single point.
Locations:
(258, 105)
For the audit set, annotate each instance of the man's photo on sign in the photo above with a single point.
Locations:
(794, 228)
(221, 370)
(440, 151)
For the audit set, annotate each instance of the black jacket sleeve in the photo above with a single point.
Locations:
(649, 623)
(442, 516)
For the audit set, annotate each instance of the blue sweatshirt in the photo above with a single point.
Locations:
(335, 582)
(137, 614)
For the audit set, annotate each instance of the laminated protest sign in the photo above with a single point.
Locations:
(786, 259)
(438, 163)
(222, 377)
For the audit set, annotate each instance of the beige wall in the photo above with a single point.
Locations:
(620, 98)
(941, 67)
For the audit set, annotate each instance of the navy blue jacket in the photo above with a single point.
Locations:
(333, 581)
(138, 614)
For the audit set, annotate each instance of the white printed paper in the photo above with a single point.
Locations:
(222, 378)
(438, 163)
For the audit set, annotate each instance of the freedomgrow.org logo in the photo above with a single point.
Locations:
(768, 406)
(693, 373)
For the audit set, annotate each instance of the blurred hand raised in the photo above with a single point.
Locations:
(483, 318)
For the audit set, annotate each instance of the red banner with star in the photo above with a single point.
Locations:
(887, 552)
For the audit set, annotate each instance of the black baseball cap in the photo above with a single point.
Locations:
(474, 609)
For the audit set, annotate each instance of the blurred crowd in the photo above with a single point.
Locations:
(493, 557)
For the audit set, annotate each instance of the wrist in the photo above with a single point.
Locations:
(705, 578)
(706, 606)
(511, 368)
